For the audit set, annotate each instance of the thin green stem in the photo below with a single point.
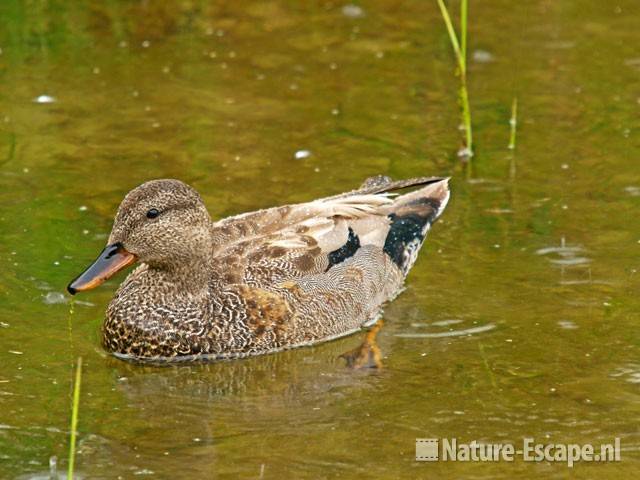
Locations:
(452, 36)
(513, 122)
(464, 8)
(74, 419)
(461, 58)
(466, 118)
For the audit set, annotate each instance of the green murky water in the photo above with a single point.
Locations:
(537, 255)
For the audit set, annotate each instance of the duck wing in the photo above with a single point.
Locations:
(268, 247)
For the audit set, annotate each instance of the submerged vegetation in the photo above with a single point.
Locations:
(460, 51)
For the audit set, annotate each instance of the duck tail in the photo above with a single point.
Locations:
(411, 215)
(383, 184)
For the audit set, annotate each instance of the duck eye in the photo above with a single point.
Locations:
(153, 213)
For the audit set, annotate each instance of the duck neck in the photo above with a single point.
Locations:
(189, 279)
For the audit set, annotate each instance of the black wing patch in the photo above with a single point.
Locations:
(409, 227)
(347, 250)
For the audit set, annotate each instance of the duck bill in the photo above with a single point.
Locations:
(112, 259)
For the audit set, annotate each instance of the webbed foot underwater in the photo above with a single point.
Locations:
(258, 282)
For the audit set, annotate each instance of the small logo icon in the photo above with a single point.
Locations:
(426, 449)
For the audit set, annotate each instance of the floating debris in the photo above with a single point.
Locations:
(54, 298)
(567, 325)
(302, 154)
(44, 99)
(465, 152)
(632, 190)
(482, 56)
(353, 11)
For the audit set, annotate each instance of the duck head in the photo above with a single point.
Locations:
(162, 223)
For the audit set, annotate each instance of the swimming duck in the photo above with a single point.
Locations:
(257, 282)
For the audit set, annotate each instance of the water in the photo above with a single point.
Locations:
(536, 257)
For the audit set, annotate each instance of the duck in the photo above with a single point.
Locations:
(258, 282)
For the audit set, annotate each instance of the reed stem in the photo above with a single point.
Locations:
(74, 419)
(460, 51)
(464, 9)
(513, 122)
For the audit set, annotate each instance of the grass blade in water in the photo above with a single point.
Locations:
(74, 418)
(461, 58)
